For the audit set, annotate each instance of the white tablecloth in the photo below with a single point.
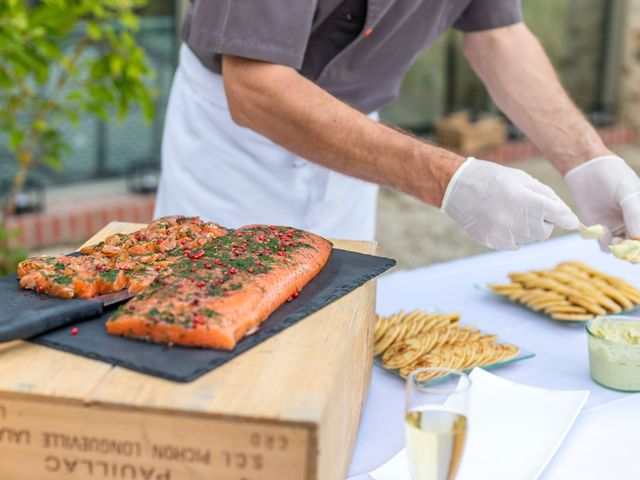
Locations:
(604, 440)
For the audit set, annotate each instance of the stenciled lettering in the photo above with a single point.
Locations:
(52, 464)
(90, 469)
(15, 437)
(81, 443)
(269, 441)
(243, 461)
(70, 465)
(128, 471)
(173, 453)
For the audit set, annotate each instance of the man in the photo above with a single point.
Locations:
(272, 119)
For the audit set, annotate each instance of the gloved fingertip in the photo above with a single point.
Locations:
(558, 213)
(568, 221)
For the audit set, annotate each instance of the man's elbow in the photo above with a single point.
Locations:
(237, 100)
(251, 88)
(237, 109)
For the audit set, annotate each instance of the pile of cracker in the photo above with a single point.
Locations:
(572, 291)
(419, 339)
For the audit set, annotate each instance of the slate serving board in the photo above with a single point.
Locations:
(24, 313)
(344, 272)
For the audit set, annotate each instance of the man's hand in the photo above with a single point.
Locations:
(607, 191)
(504, 208)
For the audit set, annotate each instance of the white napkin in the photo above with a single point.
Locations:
(601, 444)
(514, 431)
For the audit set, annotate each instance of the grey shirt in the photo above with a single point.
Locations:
(357, 50)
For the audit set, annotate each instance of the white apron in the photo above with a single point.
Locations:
(213, 168)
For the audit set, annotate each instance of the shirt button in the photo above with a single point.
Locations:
(348, 17)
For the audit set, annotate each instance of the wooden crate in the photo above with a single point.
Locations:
(459, 133)
(287, 409)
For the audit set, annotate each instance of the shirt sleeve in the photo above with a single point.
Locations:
(487, 14)
(275, 31)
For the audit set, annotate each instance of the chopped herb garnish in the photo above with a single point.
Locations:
(62, 279)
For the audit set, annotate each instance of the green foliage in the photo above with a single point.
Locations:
(59, 60)
(9, 256)
(62, 59)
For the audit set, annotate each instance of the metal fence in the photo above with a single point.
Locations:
(101, 150)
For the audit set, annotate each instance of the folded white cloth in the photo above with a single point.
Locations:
(514, 431)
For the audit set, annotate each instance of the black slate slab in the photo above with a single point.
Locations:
(344, 272)
(24, 313)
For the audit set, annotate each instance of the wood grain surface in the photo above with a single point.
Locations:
(287, 409)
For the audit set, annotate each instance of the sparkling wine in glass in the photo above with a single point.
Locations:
(436, 422)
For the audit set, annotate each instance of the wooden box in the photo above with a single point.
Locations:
(287, 409)
(459, 133)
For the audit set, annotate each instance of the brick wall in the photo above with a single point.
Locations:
(522, 149)
(74, 222)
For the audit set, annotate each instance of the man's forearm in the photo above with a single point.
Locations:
(522, 82)
(293, 112)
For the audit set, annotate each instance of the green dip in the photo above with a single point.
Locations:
(614, 352)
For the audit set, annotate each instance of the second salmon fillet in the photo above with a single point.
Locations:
(215, 294)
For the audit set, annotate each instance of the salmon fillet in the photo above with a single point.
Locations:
(197, 283)
(217, 294)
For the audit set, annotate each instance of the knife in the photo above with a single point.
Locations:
(24, 313)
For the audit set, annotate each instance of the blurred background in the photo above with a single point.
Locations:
(110, 170)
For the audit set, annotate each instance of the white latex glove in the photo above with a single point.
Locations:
(504, 208)
(607, 191)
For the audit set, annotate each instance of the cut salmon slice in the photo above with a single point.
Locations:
(139, 255)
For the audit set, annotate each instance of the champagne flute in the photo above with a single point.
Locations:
(436, 422)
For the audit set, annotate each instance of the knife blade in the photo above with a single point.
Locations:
(115, 298)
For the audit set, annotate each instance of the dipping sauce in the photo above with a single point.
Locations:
(628, 250)
(614, 352)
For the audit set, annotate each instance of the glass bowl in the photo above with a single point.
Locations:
(614, 352)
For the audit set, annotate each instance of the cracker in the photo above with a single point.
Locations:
(515, 296)
(584, 267)
(523, 277)
(568, 308)
(428, 341)
(380, 328)
(427, 361)
(572, 317)
(402, 353)
(488, 355)
(547, 304)
(391, 335)
(505, 289)
(587, 304)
